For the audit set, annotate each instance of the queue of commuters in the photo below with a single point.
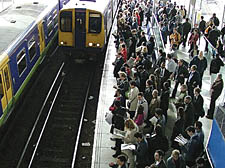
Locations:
(143, 89)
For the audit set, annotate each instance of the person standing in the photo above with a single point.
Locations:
(179, 76)
(202, 25)
(214, 69)
(201, 62)
(216, 90)
(176, 160)
(193, 80)
(186, 30)
(132, 98)
(198, 102)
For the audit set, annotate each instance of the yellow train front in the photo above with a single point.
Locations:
(85, 25)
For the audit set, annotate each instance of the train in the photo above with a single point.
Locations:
(85, 25)
(27, 31)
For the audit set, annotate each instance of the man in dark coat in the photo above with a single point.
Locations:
(191, 148)
(216, 90)
(164, 74)
(193, 80)
(117, 64)
(179, 76)
(215, 20)
(186, 29)
(202, 25)
(143, 77)
(215, 66)
(120, 163)
(142, 151)
(201, 62)
(188, 112)
(198, 102)
(214, 34)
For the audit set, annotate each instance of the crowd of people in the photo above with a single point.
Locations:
(144, 88)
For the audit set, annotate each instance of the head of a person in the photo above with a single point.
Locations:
(159, 154)
(219, 76)
(121, 160)
(202, 17)
(163, 65)
(132, 84)
(187, 99)
(193, 68)
(187, 20)
(122, 75)
(197, 91)
(138, 136)
(198, 125)
(200, 55)
(149, 83)
(180, 62)
(214, 14)
(180, 112)
(158, 112)
(158, 130)
(174, 30)
(118, 92)
(166, 85)
(140, 95)
(129, 124)
(175, 154)
(183, 88)
(190, 130)
(155, 93)
(169, 56)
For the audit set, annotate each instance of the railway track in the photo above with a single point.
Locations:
(54, 139)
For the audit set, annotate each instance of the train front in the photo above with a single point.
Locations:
(81, 29)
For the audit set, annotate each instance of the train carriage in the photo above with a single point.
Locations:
(85, 25)
(27, 30)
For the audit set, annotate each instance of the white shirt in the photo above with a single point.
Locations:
(171, 65)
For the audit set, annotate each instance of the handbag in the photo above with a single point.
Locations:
(108, 117)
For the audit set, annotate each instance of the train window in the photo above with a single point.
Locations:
(21, 61)
(50, 28)
(66, 21)
(1, 87)
(6, 74)
(95, 22)
(32, 48)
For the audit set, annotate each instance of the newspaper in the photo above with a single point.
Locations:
(118, 133)
(180, 139)
(127, 147)
(153, 120)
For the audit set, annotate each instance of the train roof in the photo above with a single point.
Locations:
(17, 19)
(99, 5)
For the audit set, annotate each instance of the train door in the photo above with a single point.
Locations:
(80, 28)
(5, 87)
(41, 36)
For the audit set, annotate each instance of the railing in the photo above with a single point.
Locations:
(157, 32)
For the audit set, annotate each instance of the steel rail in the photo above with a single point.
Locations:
(45, 123)
(38, 117)
(81, 121)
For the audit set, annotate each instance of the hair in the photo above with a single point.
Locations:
(198, 124)
(190, 129)
(197, 89)
(122, 158)
(188, 98)
(158, 130)
(181, 112)
(141, 94)
(129, 123)
(138, 135)
(187, 19)
(158, 111)
(160, 152)
(133, 83)
(175, 152)
(169, 56)
(202, 17)
(194, 67)
(123, 74)
(184, 86)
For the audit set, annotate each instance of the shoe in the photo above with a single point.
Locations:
(209, 117)
(115, 155)
(113, 148)
(113, 139)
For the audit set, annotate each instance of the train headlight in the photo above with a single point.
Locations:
(61, 42)
(90, 44)
(98, 45)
